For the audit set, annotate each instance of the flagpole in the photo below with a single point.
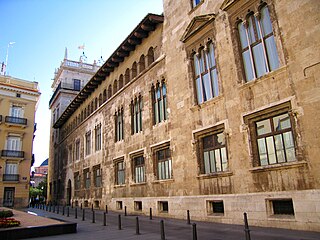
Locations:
(7, 56)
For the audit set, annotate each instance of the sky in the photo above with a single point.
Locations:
(42, 29)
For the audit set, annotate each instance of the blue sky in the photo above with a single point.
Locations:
(41, 29)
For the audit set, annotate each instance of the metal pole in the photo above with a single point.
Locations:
(163, 237)
(104, 219)
(91, 207)
(194, 231)
(67, 211)
(137, 226)
(119, 222)
(188, 217)
(246, 227)
(125, 210)
(106, 208)
(93, 217)
(58, 209)
(76, 213)
(150, 213)
(83, 214)
(81, 206)
(63, 210)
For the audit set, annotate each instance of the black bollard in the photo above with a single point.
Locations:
(150, 213)
(106, 208)
(188, 217)
(76, 213)
(72, 205)
(63, 210)
(246, 227)
(81, 206)
(93, 217)
(163, 237)
(194, 231)
(91, 207)
(68, 212)
(49, 208)
(54, 209)
(104, 219)
(137, 226)
(119, 222)
(125, 210)
(58, 207)
(83, 214)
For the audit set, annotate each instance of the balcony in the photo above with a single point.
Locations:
(16, 121)
(11, 177)
(12, 154)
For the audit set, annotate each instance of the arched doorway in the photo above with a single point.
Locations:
(69, 193)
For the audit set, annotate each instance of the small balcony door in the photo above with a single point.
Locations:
(8, 197)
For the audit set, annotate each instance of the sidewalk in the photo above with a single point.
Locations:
(150, 229)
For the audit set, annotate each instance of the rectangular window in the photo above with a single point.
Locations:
(272, 136)
(136, 115)
(139, 169)
(98, 137)
(119, 125)
(70, 154)
(214, 153)
(88, 143)
(205, 72)
(163, 163)
(120, 172)
(215, 207)
(258, 47)
(77, 181)
(77, 150)
(97, 176)
(159, 100)
(86, 174)
(283, 207)
(16, 111)
(138, 205)
(76, 84)
(119, 205)
(212, 150)
(163, 206)
(13, 143)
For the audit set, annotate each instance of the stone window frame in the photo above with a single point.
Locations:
(194, 4)
(88, 143)
(201, 40)
(77, 181)
(87, 178)
(136, 107)
(77, 150)
(159, 102)
(119, 124)
(97, 175)
(263, 114)
(133, 157)
(211, 206)
(98, 137)
(116, 164)
(238, 13)
(272, 212)
(155, 150)
(198, 136)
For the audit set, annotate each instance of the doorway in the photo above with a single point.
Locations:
(8, 198)
(69, 193)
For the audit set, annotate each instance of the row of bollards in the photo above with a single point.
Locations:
(56, 208)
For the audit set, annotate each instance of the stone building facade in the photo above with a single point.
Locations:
(209, 108)
(18, 103)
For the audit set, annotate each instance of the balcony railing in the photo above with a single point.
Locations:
(16, 120)
(11, 177)
(12, 153)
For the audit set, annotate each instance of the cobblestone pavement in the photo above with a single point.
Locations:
(150, 229)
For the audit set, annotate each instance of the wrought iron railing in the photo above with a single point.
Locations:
(16, 120)
(11, 177)
(12, 153)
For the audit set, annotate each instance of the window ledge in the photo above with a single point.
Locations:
(284, 218)
(207, 103)
(287, 165)
(215, 175)
(268, 75)
(138, 184)
(163, 181)
(217, 215)
(119, 186)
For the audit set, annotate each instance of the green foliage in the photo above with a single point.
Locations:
(34, 192)
(6, 213)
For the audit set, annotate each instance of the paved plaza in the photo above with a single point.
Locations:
(150, 229)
